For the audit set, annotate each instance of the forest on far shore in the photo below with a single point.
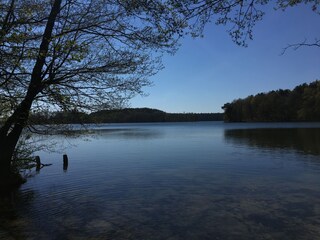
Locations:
(126, 115)
(300, 104)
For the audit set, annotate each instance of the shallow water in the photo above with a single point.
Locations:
(205, 180)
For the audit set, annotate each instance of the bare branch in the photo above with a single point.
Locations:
(296, 46)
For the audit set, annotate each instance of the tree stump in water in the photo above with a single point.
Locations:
(38, 162)
(65, 162)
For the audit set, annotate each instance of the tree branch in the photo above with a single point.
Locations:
(296, 46)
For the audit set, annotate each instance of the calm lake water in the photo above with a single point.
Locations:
(207, 180)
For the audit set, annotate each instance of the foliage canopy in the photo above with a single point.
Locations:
(300, 104)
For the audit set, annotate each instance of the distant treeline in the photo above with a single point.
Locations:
(127, 115)
(300, 104)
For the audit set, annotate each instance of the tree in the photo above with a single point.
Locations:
(300, 104)
(81, 54)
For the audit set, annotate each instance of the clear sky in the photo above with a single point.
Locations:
(207, 72)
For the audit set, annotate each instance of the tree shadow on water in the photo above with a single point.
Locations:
(302, 140)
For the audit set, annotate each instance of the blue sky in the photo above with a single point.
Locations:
(207, 72)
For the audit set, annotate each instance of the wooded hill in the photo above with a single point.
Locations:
(300, 104)
(127, 115)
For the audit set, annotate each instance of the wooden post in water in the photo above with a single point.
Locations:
(38, 163)
(65, 162)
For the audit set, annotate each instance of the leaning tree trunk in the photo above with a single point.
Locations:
(6, 174)
(9, 136)
(11, 130)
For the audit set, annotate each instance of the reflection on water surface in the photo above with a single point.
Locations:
(174, 181)
(305, 140)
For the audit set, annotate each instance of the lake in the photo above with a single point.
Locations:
(203, 180)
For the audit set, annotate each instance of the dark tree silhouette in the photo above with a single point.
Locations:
(300, 104)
